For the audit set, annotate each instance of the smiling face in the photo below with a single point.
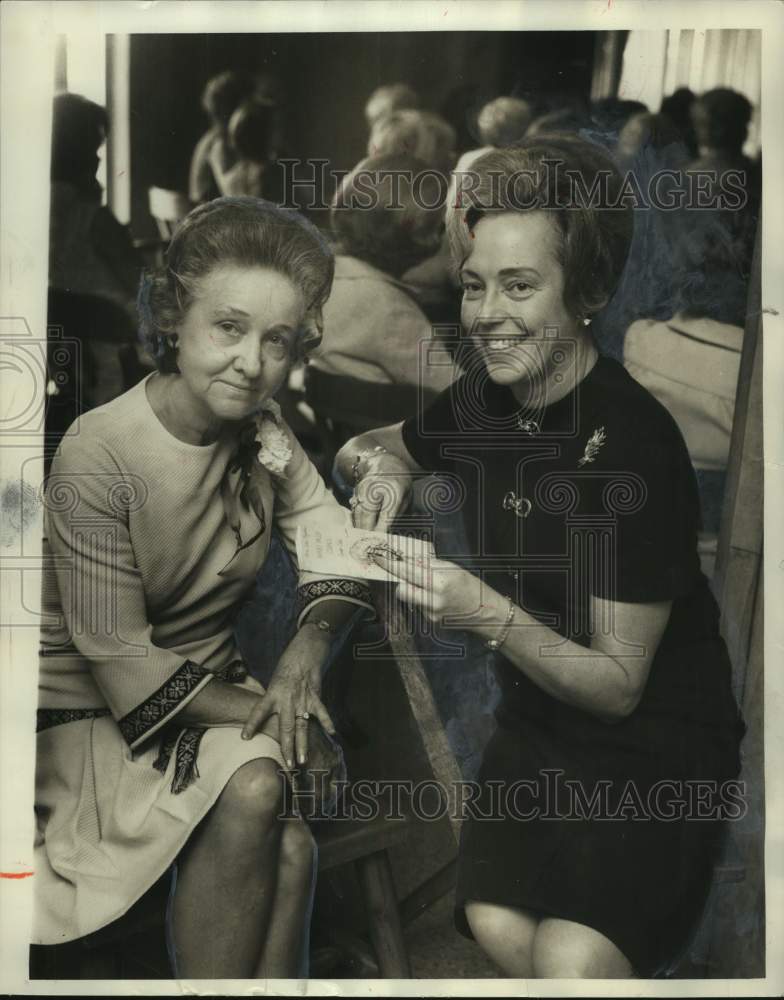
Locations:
(513, 288)
(236, 343)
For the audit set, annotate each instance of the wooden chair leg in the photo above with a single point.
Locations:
(386, 931)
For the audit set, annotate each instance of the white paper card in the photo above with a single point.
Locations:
(344, 551)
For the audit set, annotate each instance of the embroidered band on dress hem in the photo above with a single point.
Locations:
(45, 718)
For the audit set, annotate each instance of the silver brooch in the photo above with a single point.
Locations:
(519, 505)
(528, 426)
(595, 441)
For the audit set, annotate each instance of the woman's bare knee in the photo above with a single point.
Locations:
(253, 797)
(567, 950)
(297, 846)
(505, 934)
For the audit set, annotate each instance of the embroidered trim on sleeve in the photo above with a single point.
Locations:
(141, 721)
(352, 591)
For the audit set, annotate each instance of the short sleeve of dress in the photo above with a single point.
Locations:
(655, 511)
(424, 433)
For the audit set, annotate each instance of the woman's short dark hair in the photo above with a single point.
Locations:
(594, 241)
(247, 232)
(389, 212)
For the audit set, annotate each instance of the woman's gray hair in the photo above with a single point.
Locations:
(248, 232)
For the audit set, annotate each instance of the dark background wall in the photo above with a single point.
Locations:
(326, 79)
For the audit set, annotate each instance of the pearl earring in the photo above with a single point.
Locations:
(586, 320)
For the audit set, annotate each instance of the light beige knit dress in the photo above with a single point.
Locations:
(142, 576)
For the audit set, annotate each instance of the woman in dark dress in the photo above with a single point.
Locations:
(589, 848)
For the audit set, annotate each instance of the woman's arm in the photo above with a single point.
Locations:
(382, 469)
(606, 680)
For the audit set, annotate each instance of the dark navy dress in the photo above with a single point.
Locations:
(612, 825)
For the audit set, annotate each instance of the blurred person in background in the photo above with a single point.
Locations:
(221, 98)
(429, 138)
(90, 252)
(609, 115)
(721, 120)
(418, 133)
(690, 358)
(388, 98)
(500, 123)
(94, 273)
(373, 326)
(677, 106)
(255, 171)
(647, 143)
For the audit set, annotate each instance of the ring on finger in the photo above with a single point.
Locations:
(302, 715)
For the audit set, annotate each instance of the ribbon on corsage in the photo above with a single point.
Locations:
(262, 444)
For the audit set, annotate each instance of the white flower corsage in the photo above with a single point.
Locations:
(275, 449)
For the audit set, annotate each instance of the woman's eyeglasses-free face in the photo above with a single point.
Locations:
(238, 339)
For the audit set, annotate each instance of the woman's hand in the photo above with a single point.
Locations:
(293, 695)
(383, 492)
(436, 586)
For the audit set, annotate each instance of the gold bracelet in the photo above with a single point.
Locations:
(501, 638)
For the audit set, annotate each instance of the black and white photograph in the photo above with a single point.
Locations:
(391, 489)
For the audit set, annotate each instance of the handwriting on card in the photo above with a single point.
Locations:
(348, 551)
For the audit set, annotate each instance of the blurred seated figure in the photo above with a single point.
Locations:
(255, 171)
(388, 98)
(721, 120)
(429, 138)
(690, 360)
(652, 138)
(677, 106)
(422, 134)
(609, 115)
(562, 112)
(500, 123)
(647, 144)
(369, 368)
(90, 252)
(221, 98)
(91, 358)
